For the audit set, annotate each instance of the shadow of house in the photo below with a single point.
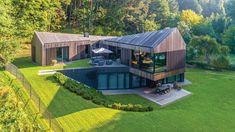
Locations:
(65, 102)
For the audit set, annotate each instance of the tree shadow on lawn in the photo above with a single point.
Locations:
(66, 102)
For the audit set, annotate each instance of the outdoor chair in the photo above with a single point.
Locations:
(101, 63)
(109, 62)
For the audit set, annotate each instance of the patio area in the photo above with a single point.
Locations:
(147, 93)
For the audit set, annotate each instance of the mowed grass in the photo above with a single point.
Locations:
(211, 108)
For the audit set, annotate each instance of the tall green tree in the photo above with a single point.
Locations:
(190, 5)
(162, 11)
(40, 15)
(173, 5)
(212, 7)
(7, 21)
(230, 4)
(8, 44)
(205, 46)
(229, 38)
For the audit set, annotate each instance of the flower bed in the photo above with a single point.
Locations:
(96, 96)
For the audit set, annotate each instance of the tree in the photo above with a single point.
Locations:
(230, 4)
(8, 44)
(204, 28)
(222, 59)
(8, 50)
(190, 5)
(173, 5)
(229, 38)
(162, 11)
(41, 15)
(6, 18)
(190, 17)
(205, 46)
(212, 7)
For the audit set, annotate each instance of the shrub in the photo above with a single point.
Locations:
(60, 78)
(97, 97)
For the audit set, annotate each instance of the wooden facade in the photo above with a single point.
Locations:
(44, 46)
(175, 49)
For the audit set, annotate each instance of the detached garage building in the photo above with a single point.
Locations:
(61, 47)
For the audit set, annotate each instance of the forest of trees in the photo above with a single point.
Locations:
(195, 19)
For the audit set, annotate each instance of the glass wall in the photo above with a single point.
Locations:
(143, 61)
(149, 62)
(160, 62)
(111, 81)
(62, 54)
(102, 81)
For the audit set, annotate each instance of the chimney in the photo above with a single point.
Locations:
(86, 34)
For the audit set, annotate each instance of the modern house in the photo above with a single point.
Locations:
(146, 58)
(61, 47)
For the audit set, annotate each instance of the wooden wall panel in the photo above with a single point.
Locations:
(38, 50)
(162, 75)
(80, 52)
(125, 56)
(173, 42)
(72, 51)
(156, 76)
(176, 59)
(50, 55)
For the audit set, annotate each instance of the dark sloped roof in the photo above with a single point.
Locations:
(148, 39)
(46, 37)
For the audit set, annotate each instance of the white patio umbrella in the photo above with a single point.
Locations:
(102, 51)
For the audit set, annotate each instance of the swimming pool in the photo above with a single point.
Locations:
(106, 78)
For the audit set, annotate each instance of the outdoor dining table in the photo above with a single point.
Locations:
(163, 90)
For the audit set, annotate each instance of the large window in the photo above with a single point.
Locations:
(143, 61)
(113, 81)
(62, 54)
(149, 62)
(121, 81)
(160, 62)
(102, 81)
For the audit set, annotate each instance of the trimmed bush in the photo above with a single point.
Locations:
(95, 96)
(60, 78)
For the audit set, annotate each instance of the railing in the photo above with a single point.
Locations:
(53, 124)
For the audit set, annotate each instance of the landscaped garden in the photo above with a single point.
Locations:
(210, 108)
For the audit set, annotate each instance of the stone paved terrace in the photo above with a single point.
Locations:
(161, 100)
(146, 93)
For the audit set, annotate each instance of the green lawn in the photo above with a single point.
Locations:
(211, 108)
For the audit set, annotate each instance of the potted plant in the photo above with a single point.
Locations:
(53, 62)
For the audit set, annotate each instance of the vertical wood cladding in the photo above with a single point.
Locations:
(50, 55)
(173, 42)
(125, 56)
(81, 52)
(176, 59)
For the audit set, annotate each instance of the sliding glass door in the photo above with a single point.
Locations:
(62, 54)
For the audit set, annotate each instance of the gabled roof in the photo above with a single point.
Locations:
(47, 38)
(147, 40)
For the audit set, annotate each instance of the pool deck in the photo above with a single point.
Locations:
(49, 72)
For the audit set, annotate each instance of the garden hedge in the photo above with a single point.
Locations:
(96, 96)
